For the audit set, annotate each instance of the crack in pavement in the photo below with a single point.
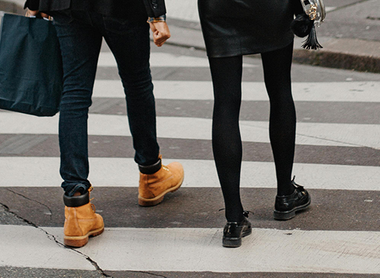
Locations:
(53, 238)
(19, 194)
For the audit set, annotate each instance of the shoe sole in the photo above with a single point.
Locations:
(235, 242)
(158, 199)
(287, 215)
(80, 241)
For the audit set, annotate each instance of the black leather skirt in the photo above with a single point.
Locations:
(239, 27)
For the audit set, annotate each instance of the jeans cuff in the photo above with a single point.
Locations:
(70, 190)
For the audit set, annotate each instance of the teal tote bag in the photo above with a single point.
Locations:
(30, 66)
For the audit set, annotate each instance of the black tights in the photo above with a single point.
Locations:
(226, 141)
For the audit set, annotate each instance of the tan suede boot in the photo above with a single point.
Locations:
(81, 221)
(154, 186)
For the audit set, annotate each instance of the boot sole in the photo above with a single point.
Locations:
(287, 215)
(158, 199)
(80, 241)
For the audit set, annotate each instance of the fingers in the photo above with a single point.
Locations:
(45, 16)
(38, 14)
(30, 13)
(161, 32)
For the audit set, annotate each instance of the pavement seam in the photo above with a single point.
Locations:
(150, 273)
(53, 238)
(322, 138)
(336, 141)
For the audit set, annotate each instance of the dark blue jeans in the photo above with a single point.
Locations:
(80, 36)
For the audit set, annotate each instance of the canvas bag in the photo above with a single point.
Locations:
(30, 66)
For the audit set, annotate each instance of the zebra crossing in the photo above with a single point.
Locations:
(337, 158)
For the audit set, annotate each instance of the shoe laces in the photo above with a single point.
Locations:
(246, 213)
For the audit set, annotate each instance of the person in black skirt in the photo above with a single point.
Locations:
(231, 29)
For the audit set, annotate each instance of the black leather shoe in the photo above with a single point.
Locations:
(287, 206)
(233, 232)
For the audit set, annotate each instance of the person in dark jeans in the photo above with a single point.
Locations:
(81, 26)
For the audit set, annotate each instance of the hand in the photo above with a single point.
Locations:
(161, 32)
(30, 13)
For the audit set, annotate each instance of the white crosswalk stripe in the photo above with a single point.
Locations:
(196, 128)
(121, 172)
(255, 91)
(106, 59)
(198, 249)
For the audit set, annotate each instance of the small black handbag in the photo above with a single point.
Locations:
(312, 15)
(30, 66)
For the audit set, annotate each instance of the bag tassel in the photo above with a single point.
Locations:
(312, 42)
(303, 26)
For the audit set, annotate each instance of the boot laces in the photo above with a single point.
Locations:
(93, 207)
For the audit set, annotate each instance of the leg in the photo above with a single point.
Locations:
(130, 44)
(226, 141)
(80, 46)
(290, 196)
(282, 124)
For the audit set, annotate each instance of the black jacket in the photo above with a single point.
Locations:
(153, 8)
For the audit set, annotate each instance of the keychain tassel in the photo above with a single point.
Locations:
(312, 42)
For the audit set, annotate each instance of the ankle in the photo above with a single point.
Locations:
(284, 193)
(284, 190)
(235, 217)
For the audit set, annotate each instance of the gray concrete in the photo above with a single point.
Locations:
(332, 210)
(18, 272)
(119, 146)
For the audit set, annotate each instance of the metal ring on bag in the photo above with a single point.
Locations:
(315, 9)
